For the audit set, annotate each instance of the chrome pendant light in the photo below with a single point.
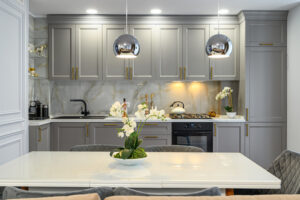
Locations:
(126, 46)
(219, 45)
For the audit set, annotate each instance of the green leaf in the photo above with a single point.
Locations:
(138, 153)
(125, 153)
(115, 150)
(228, 108)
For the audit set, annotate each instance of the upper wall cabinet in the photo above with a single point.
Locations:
(62, 52)
(88, 52)
(143, 67)
(265, 33)
(195, 60)
(170, 52)
(75, 52)
(226, 68)
(113, 68)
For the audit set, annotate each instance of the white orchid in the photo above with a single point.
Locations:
(226, 92)
(116, 109)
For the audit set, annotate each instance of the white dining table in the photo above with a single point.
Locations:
(159, 170)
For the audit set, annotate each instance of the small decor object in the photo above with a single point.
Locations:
(131, 131)
(227, 92)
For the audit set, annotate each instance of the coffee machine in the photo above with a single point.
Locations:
(38, 111)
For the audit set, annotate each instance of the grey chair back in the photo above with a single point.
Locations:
(94, 147)
(173, 148)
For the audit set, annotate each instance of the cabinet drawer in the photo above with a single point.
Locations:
(157, 128)
(156, 140)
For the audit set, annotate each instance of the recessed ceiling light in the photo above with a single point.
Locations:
(91, 11)
(155, 11)
(223, 11)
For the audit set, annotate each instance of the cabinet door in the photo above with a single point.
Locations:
(143, 67)
(264, 142)
(157, 134)
(88, 52)
(66, 135)
(39, 138)
(169, 52)
(113, 68)
(156, 140)
(266, 69)
(61, 51)
(265, 33)
(195, 60)
(226, 68)
(105, 133)
(228, 137)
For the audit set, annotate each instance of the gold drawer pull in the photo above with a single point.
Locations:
(247, 130)
(111, 124)
(151, 124)
(266, 44)
(215, 129)
(180, 70)
(40, 135)
(247, 114)
(151, 137)
(184, 73)
(73, 77)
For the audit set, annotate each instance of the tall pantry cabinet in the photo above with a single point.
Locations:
(263, 84)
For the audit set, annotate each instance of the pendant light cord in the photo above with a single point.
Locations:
(126, 12)
(218, 17)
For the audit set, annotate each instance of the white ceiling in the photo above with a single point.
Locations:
(168, 7)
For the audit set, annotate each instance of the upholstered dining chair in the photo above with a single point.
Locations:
(173, 148)
(94, 147)
(286, 167)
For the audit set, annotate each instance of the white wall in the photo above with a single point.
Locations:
(293, 84)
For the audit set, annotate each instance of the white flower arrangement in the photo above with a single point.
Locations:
(226, 92)
(116, 109)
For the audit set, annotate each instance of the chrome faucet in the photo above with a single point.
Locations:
(85, 112)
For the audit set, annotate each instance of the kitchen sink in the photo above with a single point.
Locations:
(80, 117)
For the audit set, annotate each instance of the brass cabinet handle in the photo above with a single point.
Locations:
(130, 72)
(111, 124)
(247, 114)
(40, 134)
(180, 70)
(151, 137)
(247, 130)
(266, 44)
(77, 75)
(151, 124)
(215, 129)
(72, 73)
(87, 129)
(184, 73)
(126, 71)
(211, 72)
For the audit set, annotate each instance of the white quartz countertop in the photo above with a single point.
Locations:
(159, 170)
(221, 118)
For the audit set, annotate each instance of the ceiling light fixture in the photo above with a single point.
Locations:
(155, 11)
(223, 11)
(219, 45)
(126, 45)
(91, 11)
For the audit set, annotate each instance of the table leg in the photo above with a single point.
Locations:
(229, 192)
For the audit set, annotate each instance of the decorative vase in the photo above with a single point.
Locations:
(231, 114)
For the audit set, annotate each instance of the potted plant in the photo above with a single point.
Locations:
(132, 153)
(227, 92)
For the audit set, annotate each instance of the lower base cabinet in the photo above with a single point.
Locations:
(105, 133)
(39, 138)
(228, 137)
(156, 134)
(65, 135)
(264, 142)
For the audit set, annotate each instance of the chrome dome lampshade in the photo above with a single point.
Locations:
(126, 46)
(218, 46)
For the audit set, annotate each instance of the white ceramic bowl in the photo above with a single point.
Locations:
(231, 114)
(130, 162)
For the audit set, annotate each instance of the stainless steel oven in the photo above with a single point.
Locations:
(198, 134)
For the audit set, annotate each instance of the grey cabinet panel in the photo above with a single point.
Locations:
(264, 142)
(61, 51)
(113, 68)
(156, 140)
(266, 84)
(226, 68)
(105, 133)
(156, 134)
(169, 52)
(39, 138)
(143, 67)
(66, 135)
(266, 32)
(88, 52)
(228, 137)
(195, 60)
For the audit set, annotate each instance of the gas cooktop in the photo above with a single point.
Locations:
(190, 116)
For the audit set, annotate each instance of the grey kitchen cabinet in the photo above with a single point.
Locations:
(169, 52)
(195, 61)
(264, 142)
(105, 133)
(62, 52)
(226, 68)
(65, 135)
(266, 33)
(143, 67)
(156, 134)
(88, 52)
(266, 81)
(228, 137)
(39, 138)
(113, 68)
